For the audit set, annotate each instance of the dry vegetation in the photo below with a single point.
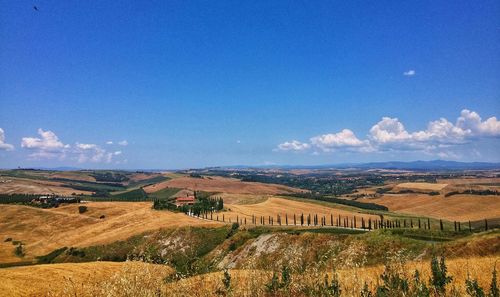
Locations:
(43, 230)
(223, 185)
(136, 279)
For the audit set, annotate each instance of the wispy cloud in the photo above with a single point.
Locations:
(410, 72)
(3, 145)
(293, 145)
(389, 134)
(123, 143)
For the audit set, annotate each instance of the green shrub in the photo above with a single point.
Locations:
(473, 288)
(19, 251)
(494, 291)
(50, 257)
(82, 209)
(439, 278)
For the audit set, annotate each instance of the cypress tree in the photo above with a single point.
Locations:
(429, 223)
(441, 224)
(470, 227)
(331, 219)
(485, 225)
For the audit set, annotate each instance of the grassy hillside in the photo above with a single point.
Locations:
(253, 255)
(44, 230)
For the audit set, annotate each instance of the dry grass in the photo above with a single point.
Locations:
(44, 230)
(222, 185)
(135, 279)
(83, 279)
(279, 206)
(453, 208)
(422, 186)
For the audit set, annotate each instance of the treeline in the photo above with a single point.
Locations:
(31, 200)
(203, 204)
(130, 196)
(162, 204)
(206, 204)
(109, 177)
(17, 198)
(353, 203)
(473, 192)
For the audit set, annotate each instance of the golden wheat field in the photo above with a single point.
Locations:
(422, 186)
(139, 279)
(462, 207)
(43, 230)
(82, 279)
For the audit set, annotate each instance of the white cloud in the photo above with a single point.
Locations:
(3, 145)
(123, 143)
(410, 72)
(389, 130)
(48, 146)
(389, 134)
(471, 121)
(109, 142)
(293, 145)
(343, 139)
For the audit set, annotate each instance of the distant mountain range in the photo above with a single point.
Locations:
(429, 165)
(400, 165)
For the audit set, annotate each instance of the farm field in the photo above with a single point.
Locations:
(44, 230)
(422, 186)
(280, 206)
(461, 207)
(223, 185)
(9, 185)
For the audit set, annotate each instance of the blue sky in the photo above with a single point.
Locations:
(202, 83)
